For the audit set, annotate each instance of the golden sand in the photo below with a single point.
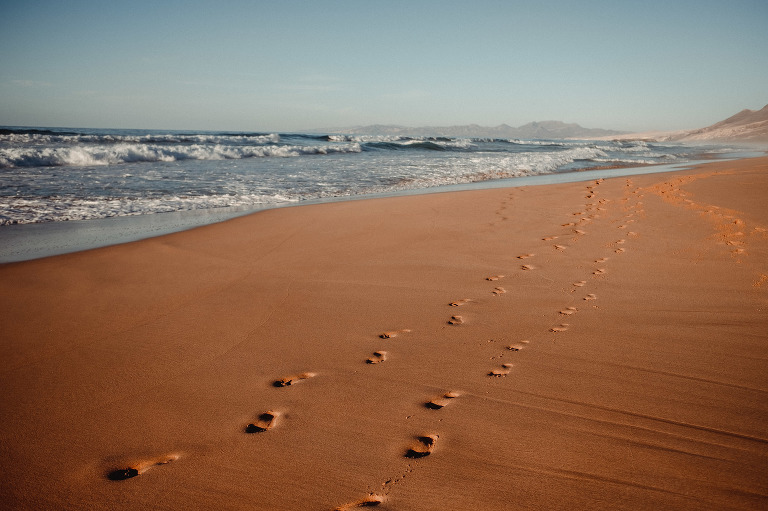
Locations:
(622, 366)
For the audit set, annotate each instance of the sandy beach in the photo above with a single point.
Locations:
(594, 345)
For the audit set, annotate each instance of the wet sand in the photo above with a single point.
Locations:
(595, 345)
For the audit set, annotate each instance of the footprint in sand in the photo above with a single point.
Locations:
(579, 232)
(631, 233)
(598, 271)
(528, 267)
(494, 277)
(525, 256)
(517, 346)
(620, 250)
(620, 242)
(423, 446)
(139, 468)
(601, 260)
(371, 500)
(569, 224)
(459, 303)
(559, 247)
(549, 238)
(456, 320)
(291, 380)
(580, 283)
(560, 328)
(264, 422)
(590, 296)
(622, 227)
(393, 333)
(568, 311)
(498, 291)
(442, 401)
(377, 358)
(501, 372)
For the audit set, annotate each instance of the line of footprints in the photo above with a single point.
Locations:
(423, 445)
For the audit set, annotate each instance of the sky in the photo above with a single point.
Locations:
(293, 65)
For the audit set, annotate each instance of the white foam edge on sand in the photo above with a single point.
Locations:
(24, 242)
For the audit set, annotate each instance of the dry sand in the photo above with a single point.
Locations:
(596, 345)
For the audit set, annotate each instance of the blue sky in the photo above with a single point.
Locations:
(290, 65)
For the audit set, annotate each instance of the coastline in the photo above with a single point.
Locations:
(32, 241)
(605, 350)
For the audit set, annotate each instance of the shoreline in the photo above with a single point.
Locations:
(23, 242)
(584, 345)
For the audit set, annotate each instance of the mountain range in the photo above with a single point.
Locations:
(748, 126)
(532, 130)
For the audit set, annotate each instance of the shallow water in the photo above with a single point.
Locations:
(30, 241)
(53, 175)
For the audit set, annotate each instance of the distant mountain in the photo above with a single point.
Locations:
(532, 130)
(745, 126)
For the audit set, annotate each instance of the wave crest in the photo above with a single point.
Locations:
(83, 155)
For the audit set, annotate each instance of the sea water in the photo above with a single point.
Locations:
(50, 175)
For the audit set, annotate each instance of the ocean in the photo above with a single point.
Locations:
(52, 175)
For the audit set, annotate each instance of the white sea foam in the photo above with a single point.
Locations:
(52, 175)
(49, 139)
(82, 155)
(24, 210)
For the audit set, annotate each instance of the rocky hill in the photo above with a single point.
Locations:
(745, 126)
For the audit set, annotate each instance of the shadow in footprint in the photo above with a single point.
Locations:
(518, 346)
(393, 333)
(422, 447)
(377, 358)
(501, 372)
(442, 401)
(291, 380)
(371, 500)
(264, 422)
(137, 469)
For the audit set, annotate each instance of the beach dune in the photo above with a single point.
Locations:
(593, 345)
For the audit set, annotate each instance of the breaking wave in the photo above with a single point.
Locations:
(50, 174)
(122, 152)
